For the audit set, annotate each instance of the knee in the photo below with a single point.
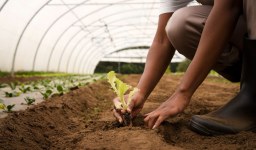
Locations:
(176, 29)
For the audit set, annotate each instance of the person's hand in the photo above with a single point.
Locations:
(134, 107)
(170, 108)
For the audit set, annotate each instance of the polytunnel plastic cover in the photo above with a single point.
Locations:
(74, 35)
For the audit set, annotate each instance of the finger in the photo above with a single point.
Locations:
(152, 121)
(147, 117)
(117, 116)
(158, 122)
(117, 103)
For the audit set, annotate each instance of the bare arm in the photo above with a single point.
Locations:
(159, 57)
(218, 29)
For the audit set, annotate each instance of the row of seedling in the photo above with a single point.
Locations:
(9, 108)
(47, 88)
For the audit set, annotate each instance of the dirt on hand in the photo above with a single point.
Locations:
(82, 119)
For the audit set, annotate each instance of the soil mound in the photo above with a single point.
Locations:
(82, 119)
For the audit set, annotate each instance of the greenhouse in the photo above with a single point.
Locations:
(72, 36)
(91, 74)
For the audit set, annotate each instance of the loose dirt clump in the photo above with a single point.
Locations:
(82, 119)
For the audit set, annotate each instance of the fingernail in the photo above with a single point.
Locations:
(154, 127)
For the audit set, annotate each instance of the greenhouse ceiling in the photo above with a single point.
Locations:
(74, 35)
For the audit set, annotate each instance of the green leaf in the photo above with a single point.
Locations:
(120, 88)
(10, 107)
(2, 105)
(12, 94)
(60, 89)
(135, 90)
(29, 100)
(46, 94)
(3, 85)
(111, 79)
(24, 89)
(13, 85)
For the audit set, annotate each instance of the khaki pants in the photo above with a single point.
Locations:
(185, 27)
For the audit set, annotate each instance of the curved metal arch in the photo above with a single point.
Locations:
(73, 50)
(117, 13)
(101, 8)
(62, 54)
(49, 28)
(91, 52)
(88, 58)
(22, 34)
(93, 67)
(65, 48)
(2, 7)
(130, 48)
(92, 55)
(84, 55)
(68, 64)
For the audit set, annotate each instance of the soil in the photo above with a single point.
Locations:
(8, 79)
(82, 119)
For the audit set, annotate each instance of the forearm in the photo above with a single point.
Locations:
(158, 59)
(218, 29)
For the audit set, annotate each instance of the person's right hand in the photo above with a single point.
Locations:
(134, 107)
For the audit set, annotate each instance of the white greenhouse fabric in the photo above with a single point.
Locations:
(73, 35)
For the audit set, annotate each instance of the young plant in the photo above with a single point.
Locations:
(121, 88)
(12, 94)
(3, 85)
(13, 85)
(2, 105)
(7, 108)
(10, 107)
(60, 89)
(24, 89)
(29, 100)
(46, 94)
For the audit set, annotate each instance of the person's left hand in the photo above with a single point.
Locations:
(170, 108)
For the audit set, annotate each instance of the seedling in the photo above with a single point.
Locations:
(24, 89)
(7, 108)
(29, 100)
(13, 85)
(12, 94)
(60, 89)
(46, 94)
(2, 85)
(121, 88)
(10, 107)
(2, 105)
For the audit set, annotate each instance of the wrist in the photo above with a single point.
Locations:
(186, 92)
(141, 95)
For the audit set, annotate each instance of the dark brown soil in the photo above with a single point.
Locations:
(82, 119)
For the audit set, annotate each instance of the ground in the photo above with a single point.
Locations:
(82, 119)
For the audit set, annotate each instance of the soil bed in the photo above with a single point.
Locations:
(82, 119)
(9, 79)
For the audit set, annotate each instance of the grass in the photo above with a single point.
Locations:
(36, 73)
(3, 74)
